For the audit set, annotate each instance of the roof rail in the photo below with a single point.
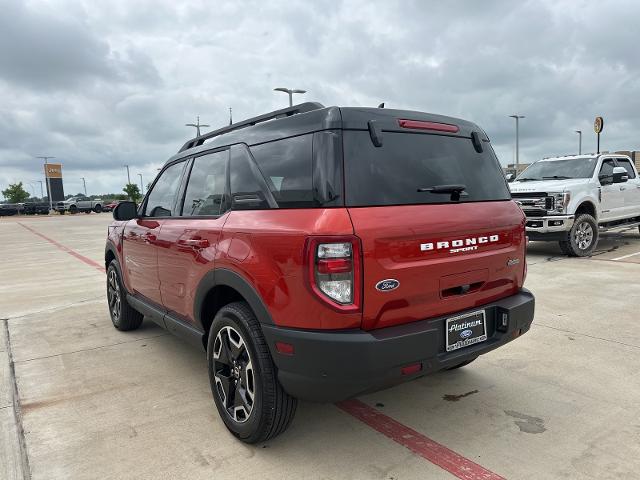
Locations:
(284, 112)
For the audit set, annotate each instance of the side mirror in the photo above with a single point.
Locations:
(510, 177)
(125, 211)
(620, 175)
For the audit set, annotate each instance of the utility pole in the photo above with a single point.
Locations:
(290, 92)
(41, 189)
(128, 176)
(579, 132)
(141, 185)
(230, 117)
(197, 125)
(517, 117)
(46, 158)
(85, 186)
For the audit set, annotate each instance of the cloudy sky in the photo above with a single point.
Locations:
(103, 84)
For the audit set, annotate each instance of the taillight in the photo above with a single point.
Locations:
(422, 125)
(335, 271)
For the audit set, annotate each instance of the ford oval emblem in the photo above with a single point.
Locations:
(388, 284)
(466, 333)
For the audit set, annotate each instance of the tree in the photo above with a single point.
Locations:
(15, 193)
(133, 191)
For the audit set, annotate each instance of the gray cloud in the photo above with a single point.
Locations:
(103, 84)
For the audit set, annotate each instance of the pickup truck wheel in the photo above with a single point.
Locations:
(73, 209)
(123, 316)
(97, 208)
(582, 238)
(249, 398)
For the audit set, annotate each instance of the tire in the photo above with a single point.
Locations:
(73, 209)
(582, 239)
(460, 365)
(261, 409)
(97, 208)
(123, 316)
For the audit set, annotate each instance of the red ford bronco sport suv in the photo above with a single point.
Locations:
(321, 253)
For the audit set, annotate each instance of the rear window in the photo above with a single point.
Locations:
(393, 173)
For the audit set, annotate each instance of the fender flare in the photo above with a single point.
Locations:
(229, 278)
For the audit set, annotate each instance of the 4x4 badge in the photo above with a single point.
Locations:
(388, 284)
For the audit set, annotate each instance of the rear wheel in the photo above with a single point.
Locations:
(123, 316)
(582, 239)
(97, 208)
(249, 398)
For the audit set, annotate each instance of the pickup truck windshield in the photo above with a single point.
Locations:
(417, 168)
(559, 169)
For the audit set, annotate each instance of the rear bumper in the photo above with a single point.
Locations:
(336, 365)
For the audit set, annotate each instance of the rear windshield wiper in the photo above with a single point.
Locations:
(527, 179)
(556, 177)
(443, 189)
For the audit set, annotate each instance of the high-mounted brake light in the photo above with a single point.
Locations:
(420, 125)
(335, 271)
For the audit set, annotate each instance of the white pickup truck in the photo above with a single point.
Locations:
(79, 204)
(571, 199)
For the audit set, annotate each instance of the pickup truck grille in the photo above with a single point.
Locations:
(534, 204)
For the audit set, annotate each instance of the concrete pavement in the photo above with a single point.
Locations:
(560, 402)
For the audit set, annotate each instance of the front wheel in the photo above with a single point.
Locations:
(582, 239)
(73, 209)
(249, 398)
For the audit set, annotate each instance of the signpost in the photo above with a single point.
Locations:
(598, 125)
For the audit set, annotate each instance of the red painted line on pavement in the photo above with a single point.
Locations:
(428, 449)
(65, 249)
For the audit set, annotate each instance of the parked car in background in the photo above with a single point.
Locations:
(572, 199)
(321, 253)
(79, 204)
(36, 208)
(9, 209)
(109, 207)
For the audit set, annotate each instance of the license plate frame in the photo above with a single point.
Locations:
(456, 328)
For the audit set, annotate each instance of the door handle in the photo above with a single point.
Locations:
(196, 243)
(149, 237)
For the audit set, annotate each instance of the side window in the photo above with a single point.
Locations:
(248, 189)
(287, 167)
(623, 162)
(606, 171)
(162, 198)
(207, 185)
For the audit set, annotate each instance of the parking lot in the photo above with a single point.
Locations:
(79, 399)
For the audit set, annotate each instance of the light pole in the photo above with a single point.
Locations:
(517, 117)
(197, 125)
(48, 179)
(128, 176)
(141, 185)
(579, 132)
(85, 186)
(41, 190)
(290, 92)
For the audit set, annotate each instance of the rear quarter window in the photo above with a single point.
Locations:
(393, 173)
(287, 168)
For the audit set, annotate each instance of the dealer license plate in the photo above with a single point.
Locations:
(465, 330)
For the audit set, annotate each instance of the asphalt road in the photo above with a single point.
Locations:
(80, 400)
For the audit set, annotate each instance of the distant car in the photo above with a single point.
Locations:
(8, 209)
(36, 208)
(80, 204)
(110, 206)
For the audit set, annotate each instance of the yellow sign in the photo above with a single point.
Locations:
(598, 125)
(53, 170)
